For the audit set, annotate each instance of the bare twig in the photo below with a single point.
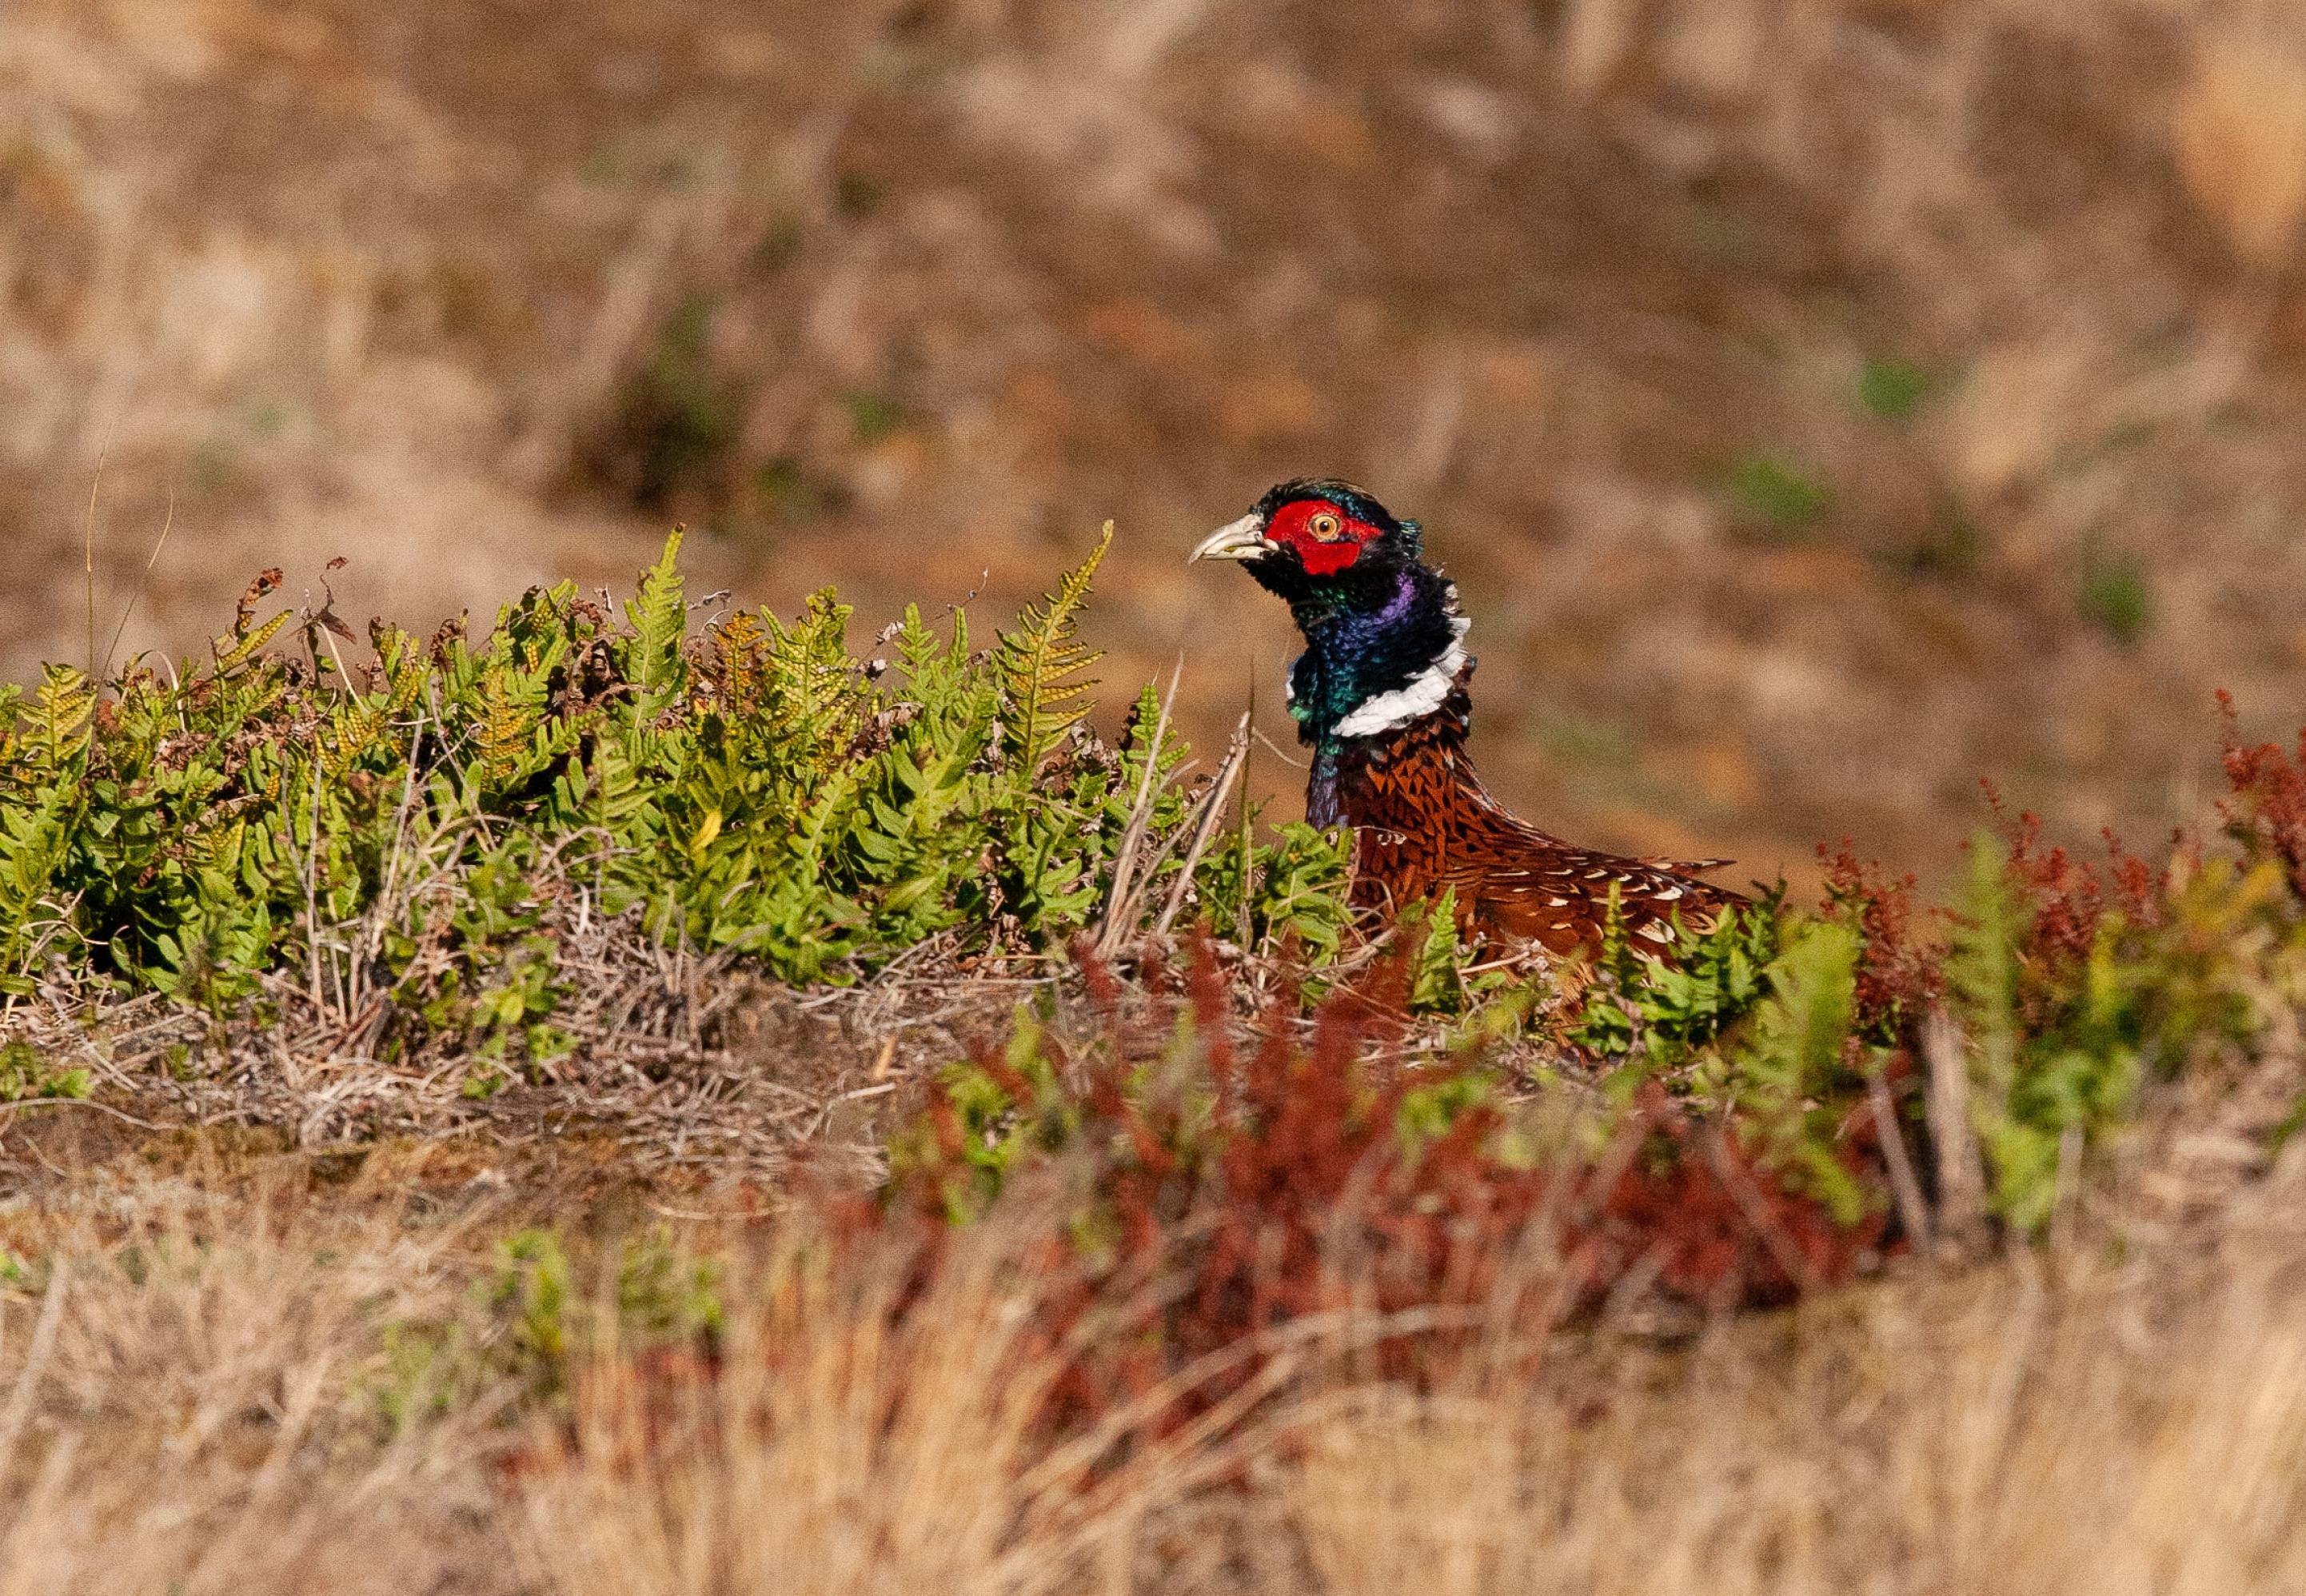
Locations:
(125, 615)
(36, 1359)
(21, 1104)
(1756, 1209)
(1962, 1170)
(1132, 837)
(1283, 755)
(1212, 813)
(87, 550)
(1911, 1209)
(2067, 1193)
(313, 889)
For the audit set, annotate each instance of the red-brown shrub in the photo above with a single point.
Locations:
(2267, 811)
(2066, 899)
(1898, 974)
(1253, 1186)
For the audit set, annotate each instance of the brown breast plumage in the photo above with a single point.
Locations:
(1423, 822)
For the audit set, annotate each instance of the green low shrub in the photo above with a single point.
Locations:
(435, 821)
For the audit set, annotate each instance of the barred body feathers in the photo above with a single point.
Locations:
(1381, 696)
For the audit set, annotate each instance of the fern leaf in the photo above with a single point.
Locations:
(61, 716)
(738, 645)
(659, 613)
(237, 648)
(1040, 665)
(812, 690)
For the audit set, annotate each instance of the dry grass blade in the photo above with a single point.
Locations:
(203, 1403)
(1962, 1168)
(1913, 1209)
(1120, 897)
(198, 1411)
(129, 611)
(1212, 814)
(34, 1362)
(844, 1448)
(1988, 1434)
(88, 550)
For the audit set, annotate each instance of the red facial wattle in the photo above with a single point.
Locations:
(1326, 538)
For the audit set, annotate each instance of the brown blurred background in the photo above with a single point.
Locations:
(1823, 403)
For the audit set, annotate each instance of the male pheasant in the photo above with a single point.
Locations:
(1381, 696)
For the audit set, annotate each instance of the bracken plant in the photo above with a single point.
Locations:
(408, 838)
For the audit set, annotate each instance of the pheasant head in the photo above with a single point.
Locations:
(1384, 642)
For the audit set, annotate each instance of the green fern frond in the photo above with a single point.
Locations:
(233, 649)
(738, 644)
(814, 812)
(60, 716)
(1040, 665)
(511, 716)
(358, 729)
(812, 685)
(659, 613)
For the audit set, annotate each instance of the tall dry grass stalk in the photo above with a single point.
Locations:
(191, 1404)
(2088, 1429)
(837, 1453)
(2080, 1426)
(192, 1401)
(849, 1447)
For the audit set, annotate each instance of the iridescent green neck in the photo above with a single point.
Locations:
(1372, 668)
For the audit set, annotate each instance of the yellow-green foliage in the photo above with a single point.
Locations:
(2072, 990)
(749, 787)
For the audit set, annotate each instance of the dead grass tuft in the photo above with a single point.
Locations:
(192, 1387)
(867, 1433)
(2083, 1429)
(198, 1391)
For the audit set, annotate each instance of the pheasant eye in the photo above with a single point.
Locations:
(1325, 526)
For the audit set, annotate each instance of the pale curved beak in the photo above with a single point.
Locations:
(1243, 539)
